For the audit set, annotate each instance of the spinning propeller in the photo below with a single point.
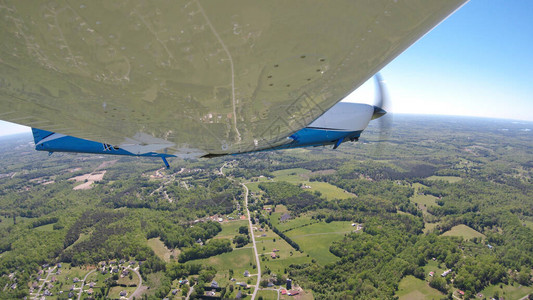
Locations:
(382, 104)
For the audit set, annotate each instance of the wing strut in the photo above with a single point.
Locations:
(166, 162)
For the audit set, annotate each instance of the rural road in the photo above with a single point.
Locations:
(253, 241)
(251, 233)
(139, 290)
(44, 282)
(83, 282)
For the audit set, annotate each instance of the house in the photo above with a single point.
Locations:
(431, 273)
(461, 292)
(90, 291)
(293, 292)
(275, 250)
(47, 293)
(246, 273)
(285, 217)
(14, 286)
(270, 284)
(123, 293)
(59, 265)
(490, 246)
(91, 285)
(125, 272)
(446, 273)
(210, 293)
(76, 279)
(183, 281)
(174, 292)
(243, 284)
(273, 255)
(70, 294)
(214, 284)
(239, 295)
(283, 291)
(115, 270)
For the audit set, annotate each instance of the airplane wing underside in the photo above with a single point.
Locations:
(195, 77)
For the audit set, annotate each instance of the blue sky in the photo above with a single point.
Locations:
(478, 62)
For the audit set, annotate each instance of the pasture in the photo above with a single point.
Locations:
(315, 239)
(463, 231)
(412, 288)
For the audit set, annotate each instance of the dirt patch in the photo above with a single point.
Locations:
(88, 179)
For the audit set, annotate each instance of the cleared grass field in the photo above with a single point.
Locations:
(412, 288)
(528, 224)
(291, 223)
(47, 227)
(301, 176)
(450, 179)
(292, 174)
(428, 227)
(507, 291)
(434, 266)
(463, 231)
(230, 229)
(268, 294)
(316, 239)
(238, 260)
(159, 248)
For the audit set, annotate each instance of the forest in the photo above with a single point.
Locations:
(438, 194)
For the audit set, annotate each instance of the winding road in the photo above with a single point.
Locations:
(83, 282)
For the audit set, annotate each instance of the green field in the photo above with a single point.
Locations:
(160, 249)
(528, 223)
(47, 227)
(300, 176)
(316, 239)
(428, 227)
(434, 266)
(268, 294)
(238, 260)
(291, 223)
(230, 229)
(507, 291)
(464, 231)
(295, 174)
(450, 179)
(411, 288)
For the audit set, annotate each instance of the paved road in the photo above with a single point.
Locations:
(191, 289)
(83, 282)
(139, 289)
(44, 282)
(253, 241)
